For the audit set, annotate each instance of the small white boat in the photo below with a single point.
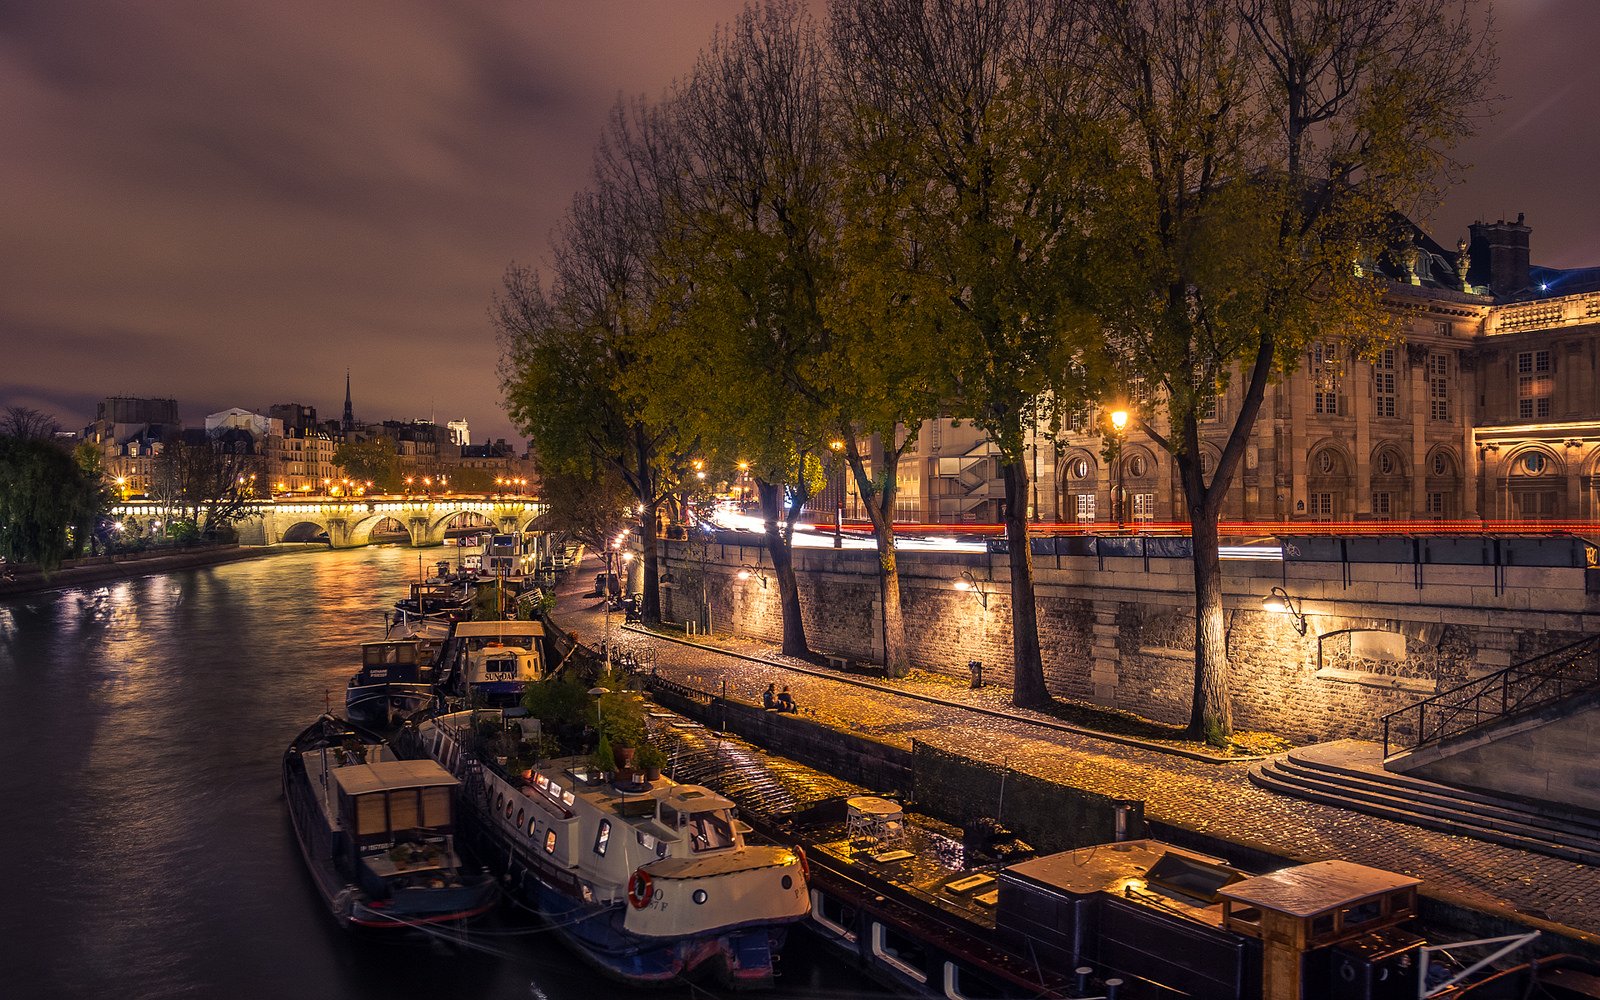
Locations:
(651, 881)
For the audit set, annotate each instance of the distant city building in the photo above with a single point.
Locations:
(1487, 406)
(459, 434)
(129, 432)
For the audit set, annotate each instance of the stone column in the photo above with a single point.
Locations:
(1107, 657)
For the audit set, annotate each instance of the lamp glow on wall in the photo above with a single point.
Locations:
(745, 573)
(969, 583)
(1279, 602)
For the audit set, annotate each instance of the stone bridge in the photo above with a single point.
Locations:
(349, 522)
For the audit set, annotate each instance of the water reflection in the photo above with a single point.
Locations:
(146, 847)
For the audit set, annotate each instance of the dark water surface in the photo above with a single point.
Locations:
(143, 842)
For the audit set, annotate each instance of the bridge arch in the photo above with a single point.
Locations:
(306, 530)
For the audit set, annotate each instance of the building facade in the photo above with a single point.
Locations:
(1486, 406)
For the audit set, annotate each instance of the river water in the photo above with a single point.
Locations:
(143, 839)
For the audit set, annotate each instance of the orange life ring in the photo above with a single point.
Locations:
(805, 866)
(640, 889)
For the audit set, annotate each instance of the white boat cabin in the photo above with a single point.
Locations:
(502, 653)
(675, 853)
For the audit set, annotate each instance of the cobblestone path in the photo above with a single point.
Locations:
(1212, 798)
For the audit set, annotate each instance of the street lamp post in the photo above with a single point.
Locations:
(1119, 425)
(838, 501)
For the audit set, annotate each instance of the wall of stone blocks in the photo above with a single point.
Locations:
(1120, 631)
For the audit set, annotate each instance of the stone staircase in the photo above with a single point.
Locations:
(1350, 774)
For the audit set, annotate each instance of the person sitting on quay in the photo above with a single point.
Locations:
(786, 701)
(769, 697)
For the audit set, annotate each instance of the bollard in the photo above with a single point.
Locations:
(976, 667)
(1083, 972)
(1111, 988)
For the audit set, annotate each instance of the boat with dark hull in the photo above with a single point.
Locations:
(651, 881)
(378, 833)
(395, 681)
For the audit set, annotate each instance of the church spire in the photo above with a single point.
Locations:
(349, 413)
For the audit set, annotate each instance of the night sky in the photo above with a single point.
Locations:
(232, 202)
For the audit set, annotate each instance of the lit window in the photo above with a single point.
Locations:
(602, 838)
(550, 841)
(1534, 385)
(1383, 383)
(1439, 386)
(1327, 377)
(1084, 508)
(1144, 506)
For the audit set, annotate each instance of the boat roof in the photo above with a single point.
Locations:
(391, 775)
(484, 630)
(694, 798)
(1110, 867)
(1306, 890)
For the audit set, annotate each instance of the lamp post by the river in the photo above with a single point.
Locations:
(1119, 425)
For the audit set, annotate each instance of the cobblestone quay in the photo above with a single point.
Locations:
(1212, 800)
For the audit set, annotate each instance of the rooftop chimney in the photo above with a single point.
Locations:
(1500, 256)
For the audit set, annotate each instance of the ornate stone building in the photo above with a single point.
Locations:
(1487, 406)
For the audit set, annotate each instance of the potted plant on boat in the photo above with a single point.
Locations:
(651, 759)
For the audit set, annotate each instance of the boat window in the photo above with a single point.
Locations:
(403, 810)
(541, 781)
(669, 816)
(710, 831)
(521, 816)
(568, 798)
(602, 838)
(550, 841)
(1246, 915)
(436, 807)
(1322, 924)
(1361, 913)
(510, 806)
(533, 826)
(646, 841)
(499, 802)
(554, 790)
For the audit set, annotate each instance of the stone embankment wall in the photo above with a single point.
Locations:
(1119, 630)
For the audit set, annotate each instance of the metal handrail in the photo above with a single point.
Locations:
(1520, 688)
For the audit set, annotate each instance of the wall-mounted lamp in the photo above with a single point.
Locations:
(668, 580)
(745, 573)
(970, 583)
(1280, 602)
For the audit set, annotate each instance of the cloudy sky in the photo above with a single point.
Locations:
(231, 202)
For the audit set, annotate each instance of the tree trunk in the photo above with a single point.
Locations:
(651, 611)
(1028, 687)
(879, 503)
(896, 658)
(772, 513)
(1211, 714)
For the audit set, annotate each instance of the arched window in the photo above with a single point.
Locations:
(1534, 464)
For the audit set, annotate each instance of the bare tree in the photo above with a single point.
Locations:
(1268, 144)
(25, 423)
(205, 483)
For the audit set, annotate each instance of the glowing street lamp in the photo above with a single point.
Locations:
(1119, 426)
